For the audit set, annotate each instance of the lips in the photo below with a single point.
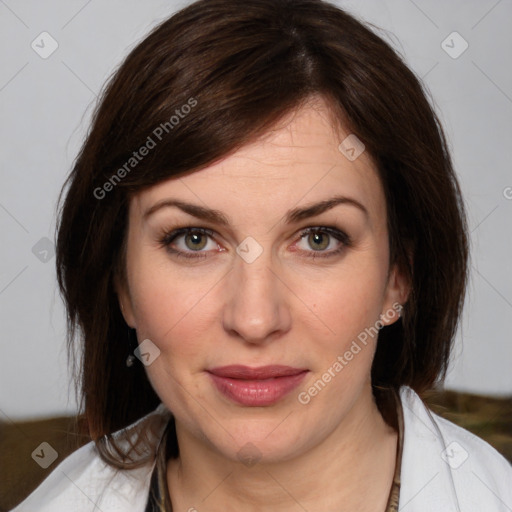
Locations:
(260, 386)
(263, 372)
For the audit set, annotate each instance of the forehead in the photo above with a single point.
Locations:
(298, 161)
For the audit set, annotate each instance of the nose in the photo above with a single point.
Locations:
(256, 308)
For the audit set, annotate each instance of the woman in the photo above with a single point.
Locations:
(264, 249)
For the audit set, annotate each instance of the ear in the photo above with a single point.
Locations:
(395, 296)
(124, 299)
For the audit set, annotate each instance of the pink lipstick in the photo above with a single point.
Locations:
(255, 387)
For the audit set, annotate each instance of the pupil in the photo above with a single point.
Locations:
(317, 239)
(195, 240)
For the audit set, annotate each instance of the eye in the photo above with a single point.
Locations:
(193, 240)
(321, 238)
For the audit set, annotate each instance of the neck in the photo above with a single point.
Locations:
(351, 469)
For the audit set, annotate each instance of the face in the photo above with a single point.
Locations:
(264, 280)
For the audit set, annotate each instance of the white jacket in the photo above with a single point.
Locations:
(445, 468)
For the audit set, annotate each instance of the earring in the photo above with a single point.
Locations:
(132, 340)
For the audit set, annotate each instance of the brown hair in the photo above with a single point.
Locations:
(239, 67)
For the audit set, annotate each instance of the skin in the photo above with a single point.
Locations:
(334, 453)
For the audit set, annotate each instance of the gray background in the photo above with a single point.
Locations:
(46, 106)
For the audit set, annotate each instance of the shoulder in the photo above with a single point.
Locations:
(446, 465)
(83, 482)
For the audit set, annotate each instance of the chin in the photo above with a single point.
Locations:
(257, 442)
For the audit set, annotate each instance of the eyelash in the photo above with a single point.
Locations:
(168, 237)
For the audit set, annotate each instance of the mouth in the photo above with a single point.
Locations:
(256, 387)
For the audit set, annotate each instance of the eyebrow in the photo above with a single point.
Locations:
(292, 216)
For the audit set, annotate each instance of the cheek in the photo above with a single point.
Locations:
(173, 311)
(346, 309)
(159, 300)
(344, 302)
